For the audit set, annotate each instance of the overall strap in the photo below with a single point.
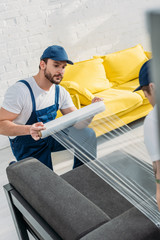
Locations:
(57, 96)
(31, 93)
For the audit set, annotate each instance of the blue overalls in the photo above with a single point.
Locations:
(25, 146)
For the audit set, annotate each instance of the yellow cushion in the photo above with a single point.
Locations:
(131, 86)
(124, 65)
(119, 101)
(89, 74)
(76, 102)
(104, 125)
(85, 96)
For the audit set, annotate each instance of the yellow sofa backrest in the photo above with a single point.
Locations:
(124, 66)
(86, 78)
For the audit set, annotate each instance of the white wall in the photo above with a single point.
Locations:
(84, 27)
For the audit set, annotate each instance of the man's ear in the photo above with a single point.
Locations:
(152, 86)
(42, 65)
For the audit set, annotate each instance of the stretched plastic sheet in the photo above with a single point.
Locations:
(120, 159)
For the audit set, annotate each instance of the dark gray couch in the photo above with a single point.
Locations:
(76, 205)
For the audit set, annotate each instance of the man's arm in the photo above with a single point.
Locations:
(8, 128)
(68, 110)
(85, 123)
(156, 168)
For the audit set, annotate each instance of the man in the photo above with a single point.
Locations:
(151, 124)
(32, 102)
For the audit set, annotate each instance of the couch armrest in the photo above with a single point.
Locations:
(84, 94)
(66, 210)
(131, 225)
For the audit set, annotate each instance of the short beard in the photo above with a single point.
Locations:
(51, 78)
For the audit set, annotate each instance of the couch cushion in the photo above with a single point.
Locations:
(97, 190)
(123, 66)
(88, 74)
(132, 225)
(131, 86)
(118, 102)
(66, 210)
(104, 125)
(85, 96)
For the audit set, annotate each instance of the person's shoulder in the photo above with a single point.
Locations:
(19, 87)
(151, 118)
(14, 95)
(30, 80)
(62, 89)
(153, 114)
(21, 83)
(15, 87)
(64, 94)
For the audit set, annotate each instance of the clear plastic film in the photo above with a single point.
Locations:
(120, 159)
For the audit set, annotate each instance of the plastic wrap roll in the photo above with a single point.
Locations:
(72, 118)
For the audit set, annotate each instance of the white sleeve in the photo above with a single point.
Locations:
(151, 138)
(13, 99)
(65, 100)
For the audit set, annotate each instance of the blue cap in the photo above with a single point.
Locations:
(56, 53)
(144, 75)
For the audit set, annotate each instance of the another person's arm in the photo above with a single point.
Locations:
(151, 141)
(156, 168)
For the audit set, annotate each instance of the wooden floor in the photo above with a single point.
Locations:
(62, 163)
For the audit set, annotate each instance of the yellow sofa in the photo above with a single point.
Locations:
(112, 77)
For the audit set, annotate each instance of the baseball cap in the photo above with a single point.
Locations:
(56, 53)
(144, 75)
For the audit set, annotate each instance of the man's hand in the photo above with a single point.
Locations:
(97, 99)
(36, 129)
(158, 195)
